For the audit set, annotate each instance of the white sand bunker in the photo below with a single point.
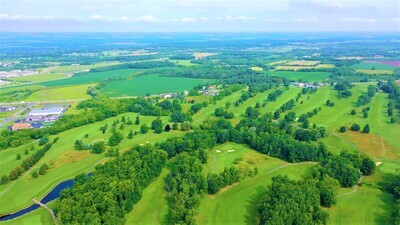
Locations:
(231, 150)
(218, 151)
(147, 142)
(378, 163)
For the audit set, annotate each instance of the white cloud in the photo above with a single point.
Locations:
(188, 19)
(305, 20)
(229, 17)
(146, 18)
(124, 19)
(97, 17)
(22, 17)
(358, 19)
(395, 19)
(204, 19)
(272, 19)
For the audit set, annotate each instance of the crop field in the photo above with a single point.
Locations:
(370, 65)
(302, 63)
(304, 76)
(295, 68)
(39, 77)
(74, 68)
(199, 55)
(256, 68)
(153, 84)
(183, 62)
(60, 93)
(395, 63)
(91, 77)
(375, 72)
(65, 162)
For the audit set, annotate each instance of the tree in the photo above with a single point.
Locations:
(167, 128)
(306, 124)
(43, 140)
(366, 129)
(393, 120)
(122, 126)
(355, 127)
(158, 130)
(156, 123)
(137, 121)
(18, 156)
(115, 139)
(42, 170)
(144, 128)
(26, 152)
(175, 126)
(4, 180)
(353, 112)
(367, 166)
(130, 135)
(342, 129)
(98, 147)
(35, 174)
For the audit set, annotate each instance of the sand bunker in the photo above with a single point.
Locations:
(231, 150)
(218, 151)
(378, 163)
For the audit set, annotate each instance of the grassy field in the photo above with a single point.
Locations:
(91, 77)
(366, 206)
(375, 72)
(293, 67)
(152, 84)
(65, 163)
(153, 206)
(69, 69)
(302, 63)
(39, 77)
(236, 204)
(256, 68)
(305, 76)
(38, 216)
(60, 93)
(183, 62)
(370, 65)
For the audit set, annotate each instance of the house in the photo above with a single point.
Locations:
(21, 126)
(185, 92)
(211, 87)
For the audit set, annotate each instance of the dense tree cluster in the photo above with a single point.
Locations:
(115, 186)
(217, 181)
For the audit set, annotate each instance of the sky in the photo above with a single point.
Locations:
(199, 16)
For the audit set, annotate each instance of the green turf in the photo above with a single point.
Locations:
(370, 65)
(153, 206)
(286, 96)
(183, 62)
(366, 206)
(251, 102)
(305, 76)
(39, 77)
(60, 93)
(152, 84)
(237, 203)
(91, 77)
(39, 216)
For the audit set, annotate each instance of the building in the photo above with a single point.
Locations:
(50, 114)
(21, 126)
(7, 108)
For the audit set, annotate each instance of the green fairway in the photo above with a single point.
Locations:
(60, 93)
(286, 96)
(251, 102)
(153, 206)
(90, 77)
(39, 77)
(38, 216)
(305, 76)
(65, 162)
(151, 84)
(237, 204)
(366, 206)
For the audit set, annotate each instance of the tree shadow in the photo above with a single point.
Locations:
(252, 216)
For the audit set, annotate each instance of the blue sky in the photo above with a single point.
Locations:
(199, 16)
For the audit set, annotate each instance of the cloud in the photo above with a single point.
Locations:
(230, 18)
(146, 18)
(23, 17)
(188, 19)
(97, 17)
(305, 20)
(358, 19)
(272, 19)
(395, 19)
(204, 19)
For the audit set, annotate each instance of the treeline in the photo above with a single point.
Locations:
(104, 108)
(366, 98)
(136, 65)
(208, 72)
(114, 188)
(393, 90)
(26, 164)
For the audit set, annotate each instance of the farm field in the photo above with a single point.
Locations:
(304, 76)
(60, 93)
(297, 67)
(153, 84)
(183, 62)
(39, 77)
(369, 65)
(91, 77)
(257, 68)
(375, 72)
